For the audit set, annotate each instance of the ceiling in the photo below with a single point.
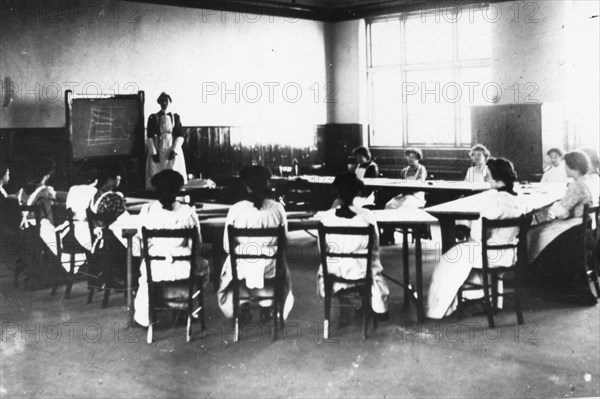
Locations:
(320, 10)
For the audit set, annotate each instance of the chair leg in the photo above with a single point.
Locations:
(327, 311)
(201, 302)
(236, 329)
(494, 291)
(68, 288)
(366, 314)
(190, 310)
(486, 299)
(54, 287)
(280, 315)
(459, 305)
(593, 272)
(90, 297)
(518, 294)
(275, 318)
(150, 334)
(105, 298)
(596, 284)
(188, 330)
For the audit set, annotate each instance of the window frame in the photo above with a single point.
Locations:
(456, 65)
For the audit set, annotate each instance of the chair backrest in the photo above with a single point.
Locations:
(90, 216)
(234, 234)
(190, 234)
(326, 250)
(589, 225)
(62, 226)
(37, 211)
(521, 223)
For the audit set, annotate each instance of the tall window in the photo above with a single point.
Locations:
(425, 70)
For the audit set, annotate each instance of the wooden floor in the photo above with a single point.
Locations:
(57, 348)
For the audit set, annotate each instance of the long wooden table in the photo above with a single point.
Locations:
(438, 191)
(536, 197)
(213, 229)
(402, 184)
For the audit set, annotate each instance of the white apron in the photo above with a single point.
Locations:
(165, 143)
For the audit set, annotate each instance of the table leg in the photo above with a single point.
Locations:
(130, 322)
(419, 276)
(448, 227)
(406, 266)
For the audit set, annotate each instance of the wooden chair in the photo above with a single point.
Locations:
(361, 288)
(299, 195)
(194, 288)
(67, 243)
(277, 282)
(591, 239)
(96, 278)
(491, 295)
(31, 235)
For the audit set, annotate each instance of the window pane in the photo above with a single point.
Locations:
(430, 111)
(473, 81)
(385, 43)
(386, 115)
(474, 35)
(428, 40)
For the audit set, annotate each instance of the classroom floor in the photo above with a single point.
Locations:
(56, 348)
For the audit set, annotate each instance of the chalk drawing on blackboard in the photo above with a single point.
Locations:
(106, 126)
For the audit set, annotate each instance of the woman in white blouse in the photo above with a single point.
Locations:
(479, 172)
(258, 211)
(464, 261)
(347, 214)
(556, 172)
(551, 244)
(167, 213)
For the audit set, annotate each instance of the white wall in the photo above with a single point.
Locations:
(119, 46)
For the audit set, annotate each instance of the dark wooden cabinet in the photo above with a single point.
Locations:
(334, 143)
(512, 131)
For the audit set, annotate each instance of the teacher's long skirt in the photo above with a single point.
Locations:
(165, 142)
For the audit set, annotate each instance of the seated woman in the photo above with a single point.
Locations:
(555, 173)
(479, 172)
(414, 199)
(108, 255)
(9, 214)
(347, 214)
(108, 184)
(594, 164)
(365, 166)
(167, 213)
(37, 193)
(257, 211)
(550, 243)
(464, 261)
(4, 178)
(79, 199)
(414, 171)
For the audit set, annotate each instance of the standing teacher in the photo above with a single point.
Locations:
(165, 139)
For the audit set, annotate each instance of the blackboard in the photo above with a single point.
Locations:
(101, 127)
